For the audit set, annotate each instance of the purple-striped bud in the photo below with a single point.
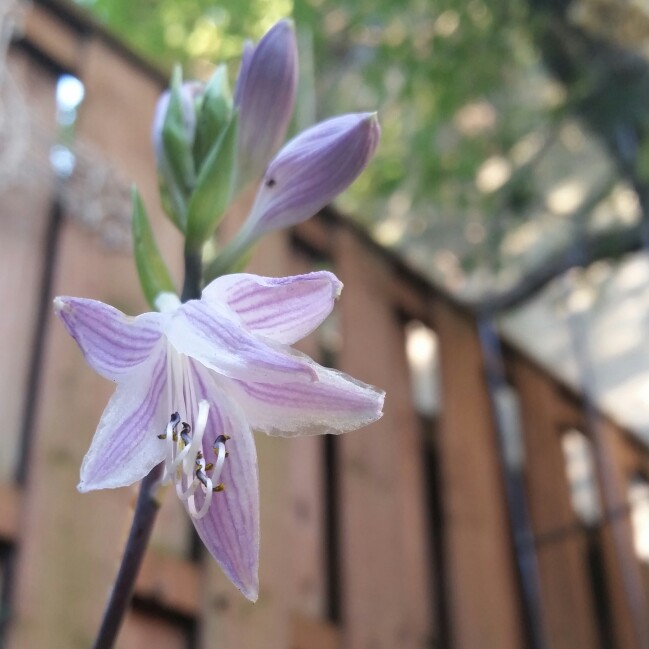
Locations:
(311, 170)
(264, 95)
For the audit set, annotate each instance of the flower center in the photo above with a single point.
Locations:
(185, 463)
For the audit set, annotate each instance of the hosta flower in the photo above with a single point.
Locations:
(194, 380)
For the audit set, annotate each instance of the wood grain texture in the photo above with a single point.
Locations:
(566, 588)
(385, 557)
(482, 595)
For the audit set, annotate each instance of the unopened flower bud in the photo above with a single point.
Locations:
(311, 170)
(265, 95)
(173, 132)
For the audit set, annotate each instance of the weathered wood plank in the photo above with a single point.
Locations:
(52, 36)
(483, 601)
(386, 594)
(566, 589)
(624, 576)
(170, 582)
(141, 630)
(307, 633)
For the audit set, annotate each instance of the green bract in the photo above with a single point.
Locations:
(151, 268)
(213, 189)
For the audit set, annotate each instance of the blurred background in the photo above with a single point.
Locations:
(494, 256)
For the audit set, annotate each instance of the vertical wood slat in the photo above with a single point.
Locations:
(623, 570)
(484, 606)
(386, 594)
(306, 531)
(566, 589)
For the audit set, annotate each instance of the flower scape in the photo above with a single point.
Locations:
(196, 378)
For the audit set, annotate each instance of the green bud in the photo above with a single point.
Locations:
(214, 114)
(174, 128)
(213, 189)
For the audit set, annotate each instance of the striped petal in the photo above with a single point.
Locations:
(283, 309)
(211, 334)
(112, 343)
(230, 529)
(335, 404)
(126, 445)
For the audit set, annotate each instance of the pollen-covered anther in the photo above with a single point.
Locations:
(174, 420)
(219, 487)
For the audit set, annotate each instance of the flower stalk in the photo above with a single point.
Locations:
(146, 510)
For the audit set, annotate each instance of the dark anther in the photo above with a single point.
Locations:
(185, 433)
(221, 439)
(175, 419)
(163, 436)
(200, 476)
(271, 182)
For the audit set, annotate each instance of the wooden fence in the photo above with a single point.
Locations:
(398, 536)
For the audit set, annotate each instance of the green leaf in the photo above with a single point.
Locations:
(214, 114)
(178, 150)
(213, 190)
(151, 268)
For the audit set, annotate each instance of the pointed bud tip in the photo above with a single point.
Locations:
(338, 288)
(285, 24)
(372, 120)
(60, 305)
(251, 592)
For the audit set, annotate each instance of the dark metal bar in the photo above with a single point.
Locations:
(521, 528)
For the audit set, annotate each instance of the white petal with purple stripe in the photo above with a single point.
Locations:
(112, 343)
(126, 447)
(211, 334)
(336, 403)
(283, 309)
(230, 529)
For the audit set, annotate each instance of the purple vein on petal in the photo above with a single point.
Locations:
(142, 415)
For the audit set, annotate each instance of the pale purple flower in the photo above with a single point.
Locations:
(265, 95)
(195, 379)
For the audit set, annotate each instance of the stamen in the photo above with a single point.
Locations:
(185, 463)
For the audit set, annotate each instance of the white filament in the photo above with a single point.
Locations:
(184, 462)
